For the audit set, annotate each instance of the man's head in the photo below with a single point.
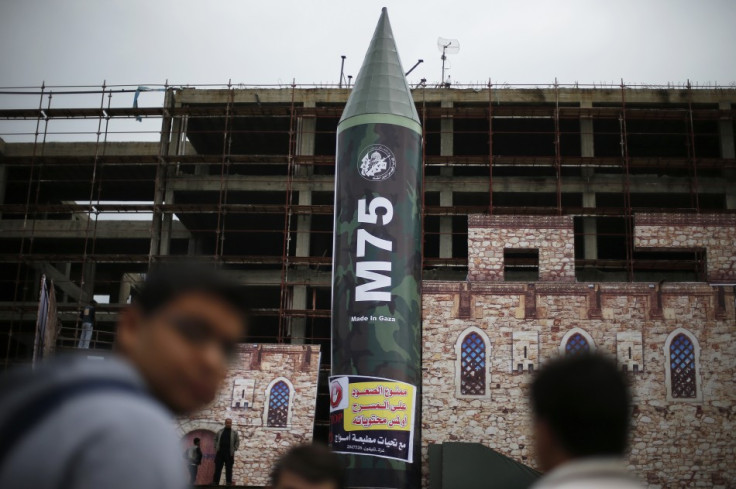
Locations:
(228, 423)
(180, 332)
(581, 409)
(196, 441)
(308, 467)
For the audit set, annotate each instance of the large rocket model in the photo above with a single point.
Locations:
(376, 275)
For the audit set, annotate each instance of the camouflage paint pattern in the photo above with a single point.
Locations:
(374, 347)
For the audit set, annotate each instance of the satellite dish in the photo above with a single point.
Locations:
(447, 46)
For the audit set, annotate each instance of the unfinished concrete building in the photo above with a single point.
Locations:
(243, 177)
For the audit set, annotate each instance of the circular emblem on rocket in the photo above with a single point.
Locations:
(376, 163)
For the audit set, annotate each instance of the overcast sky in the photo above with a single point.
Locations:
(83, 42)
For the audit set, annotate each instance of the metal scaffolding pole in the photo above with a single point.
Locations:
(284, 302)
(628, 215)
(490, 147)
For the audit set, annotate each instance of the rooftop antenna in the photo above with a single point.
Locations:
(342, 71)
(415, 65)
(447, 46)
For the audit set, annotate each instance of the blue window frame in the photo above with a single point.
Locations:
(473, 365)
(278, 405)
(576, 345)
(682, 367)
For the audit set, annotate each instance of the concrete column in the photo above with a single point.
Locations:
(306, 131)
(303, 225)
(586, 132)
(200, 170)
(305, 138)
(587, 150)
(299, 292)
(446, 149)
(298, 325)
(126, 284)
(168, 217)
(590, 229)
(67, 270)
(725, 128)
(88, 281)
(160, 183)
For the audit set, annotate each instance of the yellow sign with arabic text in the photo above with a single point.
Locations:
(380, 405)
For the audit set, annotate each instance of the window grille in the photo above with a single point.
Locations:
(473, 365)
(682, 367)
(576, 345)
(278, 405)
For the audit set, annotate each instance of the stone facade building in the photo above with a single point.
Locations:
(270, 394)
(675, 340)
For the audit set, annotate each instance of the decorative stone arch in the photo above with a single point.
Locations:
(484, 360)
(572, 335)
(677, 352)
(187, 426)
(267, 404)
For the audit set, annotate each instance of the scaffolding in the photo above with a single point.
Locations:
(95, 190)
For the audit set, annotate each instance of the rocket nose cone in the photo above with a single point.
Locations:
(381, 86)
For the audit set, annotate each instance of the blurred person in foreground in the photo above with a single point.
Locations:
(580, 408)
(308, 467)
(83, 424)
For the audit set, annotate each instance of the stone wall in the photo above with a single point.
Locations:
(674, 443)
(552, 236)
(716, 233)
(244, 398)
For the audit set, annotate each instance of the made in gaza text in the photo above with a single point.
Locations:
(364, 319)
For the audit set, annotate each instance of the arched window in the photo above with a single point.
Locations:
(278, 403)
(575, 342)
(682, 358)
(472, 364)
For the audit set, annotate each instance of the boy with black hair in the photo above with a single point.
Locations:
(581, 407)
(87, 318)
(308, 467)
(194, 460)
(82, 424)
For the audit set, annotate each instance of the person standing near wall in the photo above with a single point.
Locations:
(227, 442)
(87, 317)
(194, 459)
